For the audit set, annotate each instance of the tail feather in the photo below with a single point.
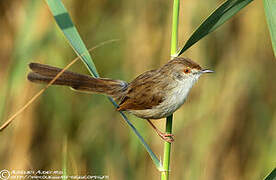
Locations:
(45, 73)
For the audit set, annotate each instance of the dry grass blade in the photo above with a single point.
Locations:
(35, 96)
(50, 83)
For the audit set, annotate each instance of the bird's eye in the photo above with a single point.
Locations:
(186, 71)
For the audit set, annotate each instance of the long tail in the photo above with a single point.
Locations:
(45, 73)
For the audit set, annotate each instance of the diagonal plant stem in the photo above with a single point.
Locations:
(65, 23)
(174, 45)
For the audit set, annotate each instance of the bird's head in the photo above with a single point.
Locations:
(183, 69)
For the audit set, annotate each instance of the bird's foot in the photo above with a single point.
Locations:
(167, 137)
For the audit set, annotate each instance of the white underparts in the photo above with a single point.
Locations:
(172, 102)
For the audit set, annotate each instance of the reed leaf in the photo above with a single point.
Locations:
(65, 23)
(224, 12)
(270, 12)
(272, 175)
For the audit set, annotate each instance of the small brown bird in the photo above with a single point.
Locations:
(154, 94)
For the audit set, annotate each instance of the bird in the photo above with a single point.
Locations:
(154, 94)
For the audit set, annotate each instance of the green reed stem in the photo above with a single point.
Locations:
(167, 151)
(174, 46)
(175, 20)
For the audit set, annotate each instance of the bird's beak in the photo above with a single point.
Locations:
(207, 71)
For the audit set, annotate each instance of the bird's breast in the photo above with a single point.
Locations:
(175, 97)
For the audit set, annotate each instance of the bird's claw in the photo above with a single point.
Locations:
(167, 137)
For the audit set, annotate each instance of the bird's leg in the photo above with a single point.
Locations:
(167, 137)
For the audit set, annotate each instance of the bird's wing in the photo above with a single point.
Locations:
(142, 93)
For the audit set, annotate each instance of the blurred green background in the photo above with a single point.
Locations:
(223, 131)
